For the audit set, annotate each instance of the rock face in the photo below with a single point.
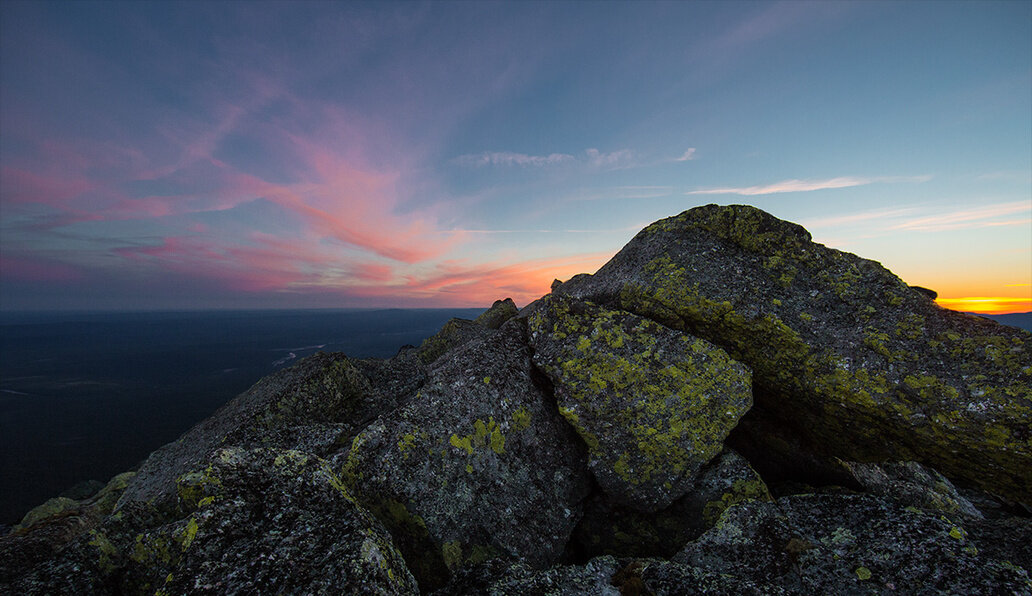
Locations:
(652, 405)
(478, 464)
(724, 408)
(823, 544)
(841, 350)
(305, 533)
(833, 544)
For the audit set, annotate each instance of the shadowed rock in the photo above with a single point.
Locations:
(842, 350)
(315, 405)
(836, 544)
(611, 529)
(913, 484)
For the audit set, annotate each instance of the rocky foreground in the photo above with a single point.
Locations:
(725, 407)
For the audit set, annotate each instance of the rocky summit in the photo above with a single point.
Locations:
(726, 407)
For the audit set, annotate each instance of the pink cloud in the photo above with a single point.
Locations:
(53, 189)
(458, 283)
(372, 273)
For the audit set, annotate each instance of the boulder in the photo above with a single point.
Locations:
(479, 464)
(459, 332)
(49, 528)
(915, 485)
(500, 312)
(834, 544)
(855, 360)
(653, 405)
(261, 521)
(304, 533)
(612, 529)
(455, 333)
(631, 416)
(395, 379)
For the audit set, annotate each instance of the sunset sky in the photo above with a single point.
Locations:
(316, 154)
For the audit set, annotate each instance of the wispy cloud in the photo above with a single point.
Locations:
(592, 157)
(508, 158)
(687, 155)
(979, 217)
(836, 221)
(621, 192)
(1007, 175)
(615, 159)
(805, 185)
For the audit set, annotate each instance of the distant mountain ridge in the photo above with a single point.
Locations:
(1021, 320)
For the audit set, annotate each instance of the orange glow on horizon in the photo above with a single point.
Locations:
(995, 305)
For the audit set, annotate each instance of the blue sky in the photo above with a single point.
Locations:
(241, 155)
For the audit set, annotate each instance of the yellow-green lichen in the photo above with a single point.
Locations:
(107, 553)
(152, 549)
(485, 434)
(405, 444)
(189, 533)
(589, 438)
(193, 487)
(811, 381)
(451, 552)
(863, 573)
(521, 419)
(912, 326)
(464, 443)
(625, 375)
(51, 508)
(400, 516)
(746, 489)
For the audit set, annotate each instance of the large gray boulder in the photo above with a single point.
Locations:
(261, 521)
(855, 360)
(479, 464)
(652, 404)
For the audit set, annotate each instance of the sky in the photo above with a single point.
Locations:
(206, 155)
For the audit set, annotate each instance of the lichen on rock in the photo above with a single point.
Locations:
(821, 544)
(653, 405)
(582, 446)
(478, 465)
(857, 361)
